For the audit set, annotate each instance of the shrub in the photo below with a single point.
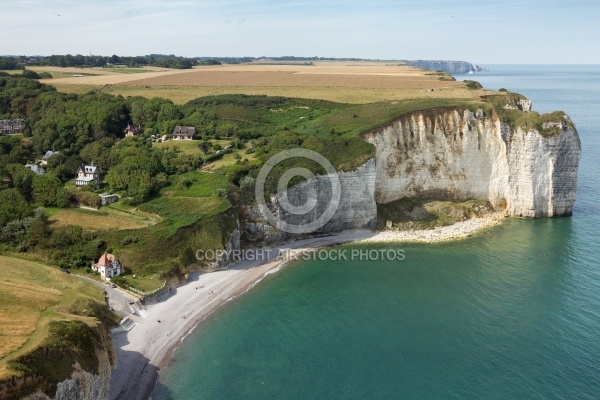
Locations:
(129, 239)
(473, 85)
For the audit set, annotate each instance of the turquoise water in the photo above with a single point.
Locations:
(511, 313)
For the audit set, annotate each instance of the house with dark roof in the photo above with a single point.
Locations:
(134, 130)
(108, 266)
(184, 133)
(11, 126)
(87, 174)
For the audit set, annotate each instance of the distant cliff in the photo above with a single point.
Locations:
(451, 67)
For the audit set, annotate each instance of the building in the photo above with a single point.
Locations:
(108, 266)
(48, 154)
(87, 174)
(184, 133)
(36, 169)
(106, 198)
(11, 126)
(134, 130)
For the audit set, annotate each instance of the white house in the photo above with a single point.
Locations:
(108, 266)
(87, 174)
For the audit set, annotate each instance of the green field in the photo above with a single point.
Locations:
(110, 217)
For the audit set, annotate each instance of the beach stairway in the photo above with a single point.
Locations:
(125, 325)
(137, 309)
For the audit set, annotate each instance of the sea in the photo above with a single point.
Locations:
(510, 313)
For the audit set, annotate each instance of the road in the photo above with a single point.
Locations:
(117, 298)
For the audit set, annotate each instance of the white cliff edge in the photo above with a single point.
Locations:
(451, 155)
(454, 155)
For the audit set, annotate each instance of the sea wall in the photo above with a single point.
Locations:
(455, 155)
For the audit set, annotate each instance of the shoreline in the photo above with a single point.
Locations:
(144, 351)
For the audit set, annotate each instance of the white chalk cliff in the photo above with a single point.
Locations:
(451, 155)
(454, 155)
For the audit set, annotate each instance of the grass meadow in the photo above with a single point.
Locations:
(31, 296)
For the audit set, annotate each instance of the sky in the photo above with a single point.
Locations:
(479, 31)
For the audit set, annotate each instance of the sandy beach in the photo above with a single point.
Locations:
(145, 349)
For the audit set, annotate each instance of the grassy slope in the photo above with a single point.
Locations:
(104, 219)
(188, 218)
(32, 296)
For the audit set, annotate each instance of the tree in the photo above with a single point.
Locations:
(30, 74)
(99, 153)
(22, 179)
(48, 191)
(12, 206)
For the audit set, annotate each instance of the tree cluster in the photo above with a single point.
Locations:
(78, 60)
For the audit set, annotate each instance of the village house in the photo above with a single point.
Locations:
(108, 266)
(134, 130)
(11, 126)
(184, 133)
(36, 169)
(48, 154)
(87, 174)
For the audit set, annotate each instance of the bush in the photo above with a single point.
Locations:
(30, 74)
(184, 183)
(87, 199)
(129, 239)
(473, 85)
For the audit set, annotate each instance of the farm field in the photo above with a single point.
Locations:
(31, 296)
(356, 83)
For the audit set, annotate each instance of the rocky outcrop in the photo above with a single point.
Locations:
(356, 208)
(455, 156)
(451, 67)
(229, 250)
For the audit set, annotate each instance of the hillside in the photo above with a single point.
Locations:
(49, 321)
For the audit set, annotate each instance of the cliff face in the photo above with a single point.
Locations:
(84, 385)
(454, 155)
(356, 209)
(89, 382)
(448, 155)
